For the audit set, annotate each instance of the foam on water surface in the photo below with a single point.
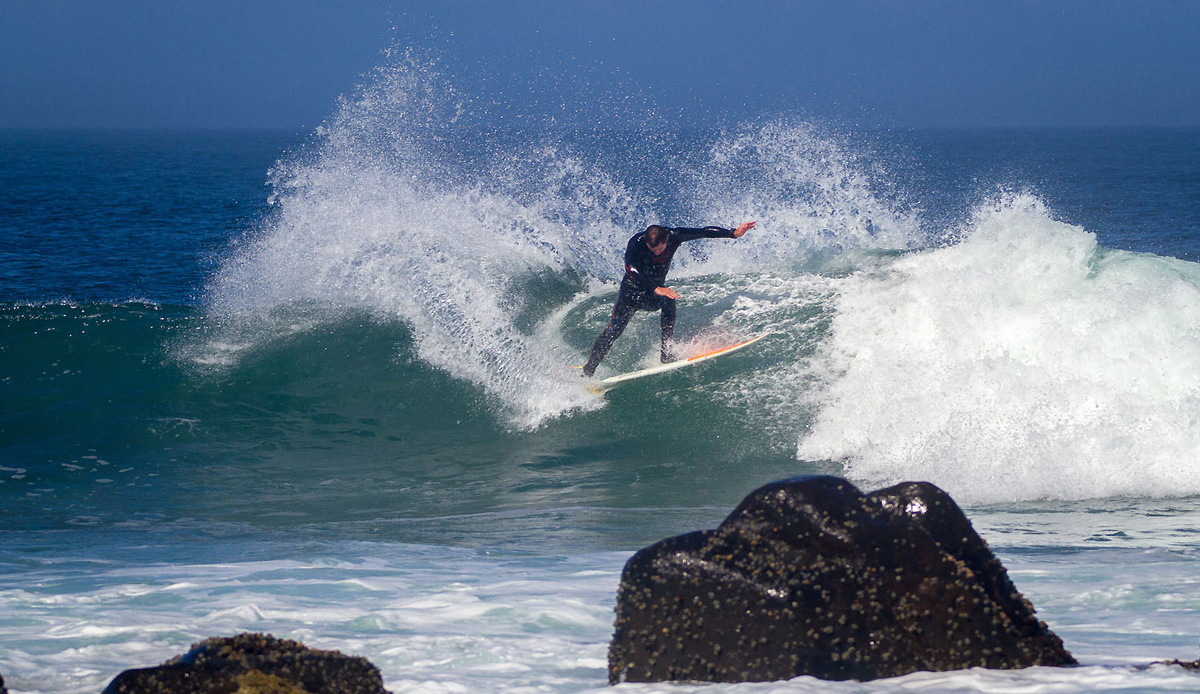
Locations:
(524, 620)
(1022, 362)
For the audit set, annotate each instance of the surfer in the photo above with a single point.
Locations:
(647, 260)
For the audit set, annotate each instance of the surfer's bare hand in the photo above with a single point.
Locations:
(742, 229)
(667, 292)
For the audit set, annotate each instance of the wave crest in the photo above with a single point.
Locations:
(1023, 362)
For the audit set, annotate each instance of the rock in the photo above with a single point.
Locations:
(253, 664)
(2, 688)
(811, 577)
(1185, 664)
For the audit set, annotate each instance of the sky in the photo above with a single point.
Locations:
(917, 63)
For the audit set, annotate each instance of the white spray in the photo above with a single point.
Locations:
(388, 212)
(1023, 362)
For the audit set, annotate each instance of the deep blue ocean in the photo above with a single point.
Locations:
(319, 384)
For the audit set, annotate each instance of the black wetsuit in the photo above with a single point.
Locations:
(645, 272)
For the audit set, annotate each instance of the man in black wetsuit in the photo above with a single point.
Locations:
(647, 260)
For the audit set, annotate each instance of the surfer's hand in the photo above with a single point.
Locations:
(742, 229)
(667, 292)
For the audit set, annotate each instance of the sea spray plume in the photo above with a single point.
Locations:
(408, 204)
(810, 190)
(1024, 362)
(571, 189)
(396, 211)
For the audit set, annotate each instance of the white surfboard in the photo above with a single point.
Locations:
(606, 383)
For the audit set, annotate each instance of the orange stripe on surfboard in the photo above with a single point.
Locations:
(605, 384)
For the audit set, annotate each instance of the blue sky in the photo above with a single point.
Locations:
(217, 64)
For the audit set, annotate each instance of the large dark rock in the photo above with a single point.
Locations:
(253, 664)
(2, 688)
(811, 577)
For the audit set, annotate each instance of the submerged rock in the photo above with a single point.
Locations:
(253, 664)
(1185, 664)
(812, 577)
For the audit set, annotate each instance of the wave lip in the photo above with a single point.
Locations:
(1023, 362)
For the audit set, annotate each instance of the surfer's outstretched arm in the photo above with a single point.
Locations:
(686, 234)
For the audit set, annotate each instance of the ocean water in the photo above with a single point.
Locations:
(320, 385)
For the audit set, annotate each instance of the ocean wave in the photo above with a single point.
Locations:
(389, 213)
(1023, 362)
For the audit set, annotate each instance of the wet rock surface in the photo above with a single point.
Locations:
(253, 664)
(812, 577)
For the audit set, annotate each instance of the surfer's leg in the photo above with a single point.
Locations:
(622, 312)
(668, 329)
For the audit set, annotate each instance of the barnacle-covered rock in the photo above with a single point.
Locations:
(812, 577)
(253, 664)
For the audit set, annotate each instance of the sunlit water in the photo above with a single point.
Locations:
(340, 407)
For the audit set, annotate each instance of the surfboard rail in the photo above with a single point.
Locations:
(606, 383)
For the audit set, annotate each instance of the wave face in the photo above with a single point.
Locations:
(1022, 362)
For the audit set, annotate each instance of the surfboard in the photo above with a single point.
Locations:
(607, 383)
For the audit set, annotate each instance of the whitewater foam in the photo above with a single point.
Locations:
(1023, 362)
(447, 619)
